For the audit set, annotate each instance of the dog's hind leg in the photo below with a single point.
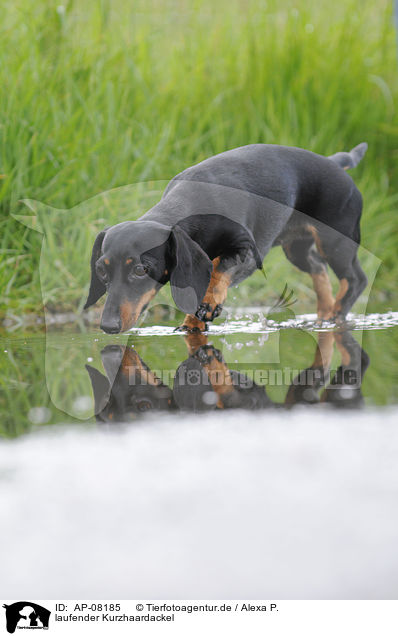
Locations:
(345, 387)
(350, 289)
(304, 255)
(341, 254)
(352, 280)
(338, 244)
(305, 386)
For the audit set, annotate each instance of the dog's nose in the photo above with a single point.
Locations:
(111, 327)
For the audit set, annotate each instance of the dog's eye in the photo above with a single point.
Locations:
(140, 270)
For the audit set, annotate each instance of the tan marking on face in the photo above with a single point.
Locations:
(106, 261)
(128, 261)
(127, 314)
(132, 364)
(323, 290)
(216, 293)
(130, 312)
(340, 294)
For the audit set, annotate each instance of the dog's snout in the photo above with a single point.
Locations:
(111, 326)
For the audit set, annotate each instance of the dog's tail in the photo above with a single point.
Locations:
(348, 160)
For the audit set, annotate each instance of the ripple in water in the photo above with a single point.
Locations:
(257, 322)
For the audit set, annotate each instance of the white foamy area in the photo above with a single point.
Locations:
(263, 505)
(255, 320)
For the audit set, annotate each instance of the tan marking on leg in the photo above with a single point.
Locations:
(340, 295)
(106, 261)
(215, 295)
(323, 290)
(194, 341)
(322, 361)
(312, 229)
(345, 356)
(324, 350)
(218, 287)
(130, 312)
(220, 379)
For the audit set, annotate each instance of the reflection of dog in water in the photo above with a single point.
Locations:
(344, 389)
(205, 382)
(129, 387)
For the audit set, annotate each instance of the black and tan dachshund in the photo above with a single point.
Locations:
(216, 222)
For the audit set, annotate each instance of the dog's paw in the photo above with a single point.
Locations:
(340, 320)
(323, 321)
(206, 353)
(192, 325)
(188, 330)
(206, 313)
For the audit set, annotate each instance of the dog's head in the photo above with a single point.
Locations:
(132, 260)
(129, 387)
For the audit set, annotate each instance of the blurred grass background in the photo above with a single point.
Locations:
(101, 94)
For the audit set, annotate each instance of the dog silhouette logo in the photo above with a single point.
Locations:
(26, 615)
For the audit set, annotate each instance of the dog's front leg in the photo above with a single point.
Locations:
(216, 293)
(213, 300)
(227, 271)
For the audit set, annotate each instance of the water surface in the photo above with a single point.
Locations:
(247, 362)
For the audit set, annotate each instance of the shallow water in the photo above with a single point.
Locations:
(246, 362)
(258, 460)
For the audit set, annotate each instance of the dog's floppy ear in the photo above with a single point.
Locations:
(190, 271)
(97, 288)
(101, 388)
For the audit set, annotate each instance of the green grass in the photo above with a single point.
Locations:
(98, 95)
